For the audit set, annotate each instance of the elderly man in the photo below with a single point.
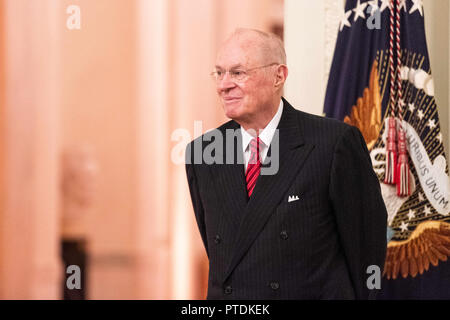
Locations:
(311, 227)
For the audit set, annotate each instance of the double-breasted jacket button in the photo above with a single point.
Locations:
(274, 285)
(228, 289)
(284, 235)
(217, 239)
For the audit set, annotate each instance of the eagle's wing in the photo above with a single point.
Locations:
(429, 243)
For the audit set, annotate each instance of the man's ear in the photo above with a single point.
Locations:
(280, 76)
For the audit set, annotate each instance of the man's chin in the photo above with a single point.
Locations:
(233, 111)
(233, 114)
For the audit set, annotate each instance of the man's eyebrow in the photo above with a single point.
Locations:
(232, 67)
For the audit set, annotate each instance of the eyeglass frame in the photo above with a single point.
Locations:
(246, 71)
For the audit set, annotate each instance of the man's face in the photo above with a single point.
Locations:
(242, 100)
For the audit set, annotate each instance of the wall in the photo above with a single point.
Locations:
(437, 26)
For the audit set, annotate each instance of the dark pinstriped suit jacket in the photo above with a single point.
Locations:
(318, 247)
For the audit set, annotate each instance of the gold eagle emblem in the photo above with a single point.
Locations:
(429, 242)
(366, 114)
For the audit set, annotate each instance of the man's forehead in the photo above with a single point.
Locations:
(235, 54)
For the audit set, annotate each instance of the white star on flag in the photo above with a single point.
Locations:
(404, 226)
(411, 214)
(385, 4)
(431, 124)
(403, 5)
(417, 5)
(344, 19)
(374, 5)
(427, 211)
(411, 107)
(420, 114)
(420, 197)
(439, 137)
(401, 102)
(359, 10)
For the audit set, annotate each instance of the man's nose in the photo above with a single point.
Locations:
(226, 83)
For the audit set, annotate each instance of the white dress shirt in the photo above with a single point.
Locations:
(265, 136)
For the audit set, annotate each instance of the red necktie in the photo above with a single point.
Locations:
(253, 167)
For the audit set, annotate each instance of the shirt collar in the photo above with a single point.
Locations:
(268, 132)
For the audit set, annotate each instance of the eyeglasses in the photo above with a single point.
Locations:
(238, 74)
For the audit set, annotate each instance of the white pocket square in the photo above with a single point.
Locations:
(293, 198)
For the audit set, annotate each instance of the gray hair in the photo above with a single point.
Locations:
(270, 44)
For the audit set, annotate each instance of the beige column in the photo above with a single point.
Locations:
(2, 143)
(193, 32)
(151, 222)
(243, 14)
(29, 235)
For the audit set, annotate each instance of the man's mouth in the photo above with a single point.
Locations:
(231, 99)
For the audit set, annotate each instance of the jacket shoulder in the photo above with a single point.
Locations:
(222, 129)
(319, 129)
(198, 145)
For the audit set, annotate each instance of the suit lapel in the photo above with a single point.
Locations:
(230, 180)
(270, 189)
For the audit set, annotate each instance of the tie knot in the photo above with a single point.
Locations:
(254, 145)
(254, 150)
